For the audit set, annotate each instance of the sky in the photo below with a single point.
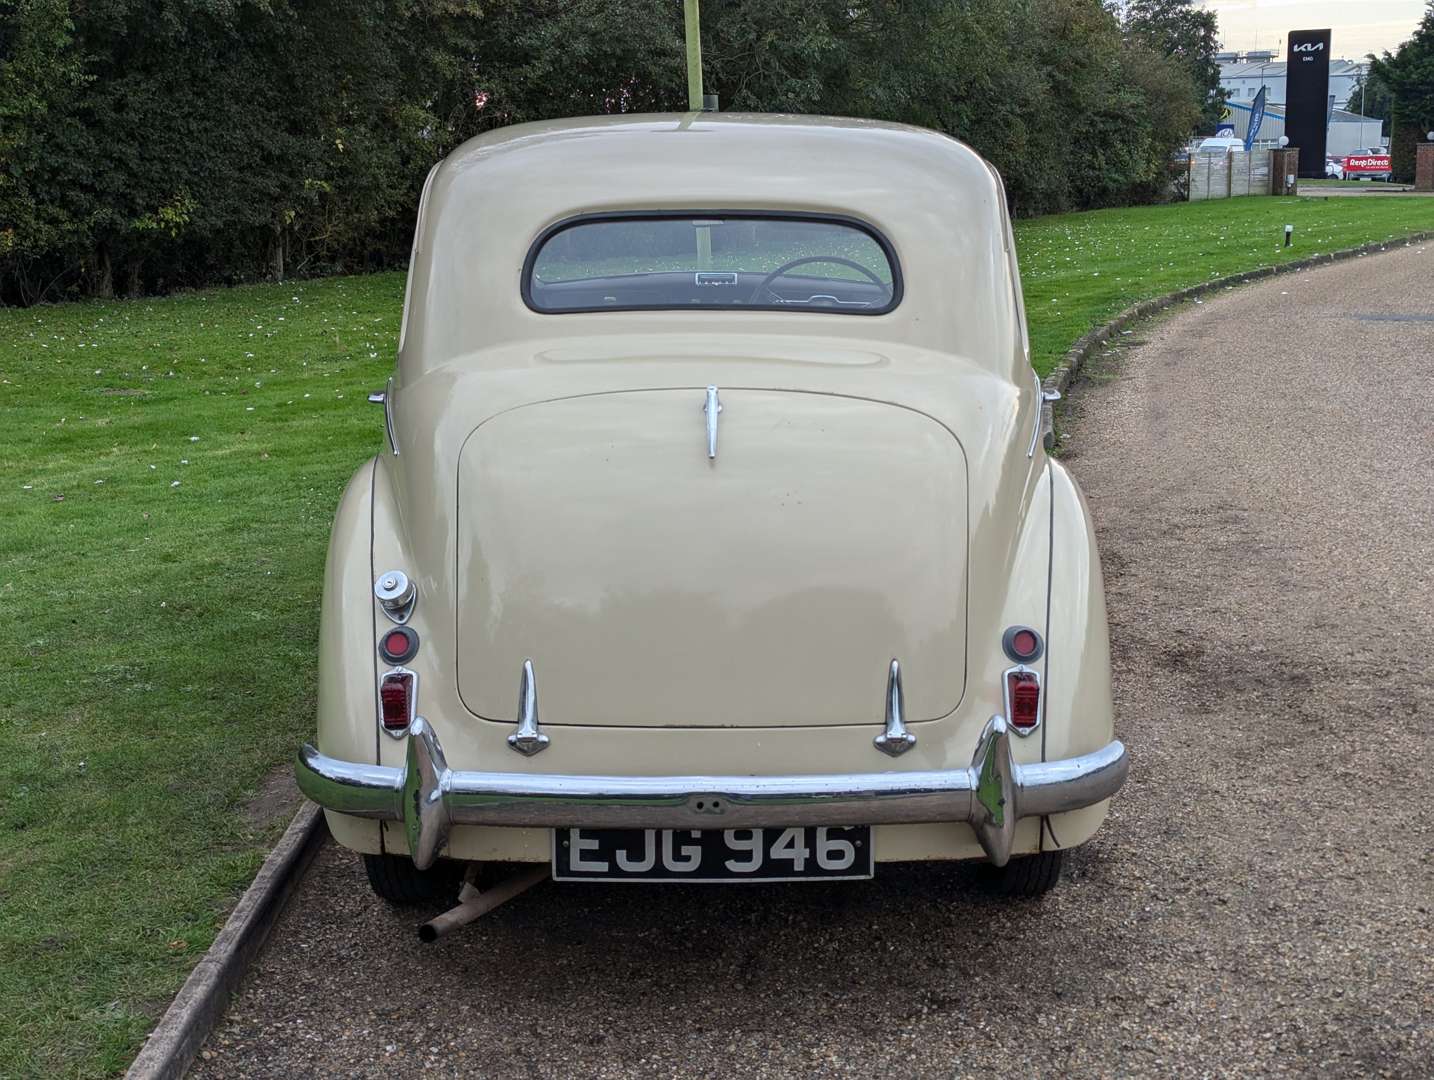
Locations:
(1359, 26)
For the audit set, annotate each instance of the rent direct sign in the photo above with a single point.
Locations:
(1371, 163)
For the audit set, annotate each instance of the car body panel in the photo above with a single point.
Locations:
(586, 515)
(346, 703)
(940, 389)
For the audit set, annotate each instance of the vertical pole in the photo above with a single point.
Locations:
(692, 27)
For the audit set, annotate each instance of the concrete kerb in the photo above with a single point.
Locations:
(173, 1045)
(1084, 348)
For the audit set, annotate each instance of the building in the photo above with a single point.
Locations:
(1349, 133)
(1242, 75)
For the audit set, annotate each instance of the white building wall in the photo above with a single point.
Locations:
(1351, 137)
(1242, 80)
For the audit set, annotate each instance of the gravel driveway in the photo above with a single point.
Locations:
(1259, 903)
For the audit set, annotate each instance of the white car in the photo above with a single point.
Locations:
(1220, 144)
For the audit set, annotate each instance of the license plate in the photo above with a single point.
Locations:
(813, 852)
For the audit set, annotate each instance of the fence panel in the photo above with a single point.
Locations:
(1223, 176)
(1239, 173)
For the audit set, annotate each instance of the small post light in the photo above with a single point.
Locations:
(1289, 234)
(1430, 136)
(1284, 141)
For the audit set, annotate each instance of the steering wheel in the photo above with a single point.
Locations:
(787, 267)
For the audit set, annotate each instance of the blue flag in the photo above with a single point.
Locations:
(1257, 117)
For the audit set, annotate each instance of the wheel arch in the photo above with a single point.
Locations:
(1079, 709)
(348, 671)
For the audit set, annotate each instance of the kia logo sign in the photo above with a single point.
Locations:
(1308, 46)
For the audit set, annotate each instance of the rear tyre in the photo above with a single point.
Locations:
(395, 879)
(1027, 876)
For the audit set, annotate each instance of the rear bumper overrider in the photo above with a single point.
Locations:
(991, 795)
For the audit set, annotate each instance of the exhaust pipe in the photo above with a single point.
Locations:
(473, 903)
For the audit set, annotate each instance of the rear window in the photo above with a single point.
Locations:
(702, 259)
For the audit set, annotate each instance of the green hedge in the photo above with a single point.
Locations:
(148, 146)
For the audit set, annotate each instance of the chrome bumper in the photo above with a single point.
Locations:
(429, 797)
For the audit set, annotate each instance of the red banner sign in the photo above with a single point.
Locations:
(1374, 163)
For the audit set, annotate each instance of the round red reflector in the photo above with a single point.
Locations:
(398, 645)
(1022, 644)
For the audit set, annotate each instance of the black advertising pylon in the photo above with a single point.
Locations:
(1307, 98)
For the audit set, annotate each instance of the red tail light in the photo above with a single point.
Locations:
(395, 695)
(1023, 698)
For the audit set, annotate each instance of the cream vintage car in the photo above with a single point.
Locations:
(713, 537)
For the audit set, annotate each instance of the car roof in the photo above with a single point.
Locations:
(854, 157)
(935, 199)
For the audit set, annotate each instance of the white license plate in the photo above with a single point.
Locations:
(805, 853)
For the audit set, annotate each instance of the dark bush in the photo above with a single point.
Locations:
(152, 144)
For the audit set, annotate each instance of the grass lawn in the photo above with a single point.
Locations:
(1080, 269)
(1356, 184)
(169, 470)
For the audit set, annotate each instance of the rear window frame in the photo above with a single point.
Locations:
(818, 217)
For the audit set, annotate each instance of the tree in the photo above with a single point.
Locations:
(151, 144)
(176, 142)
(1170, 112)
(1371, 97)
(38, 68)
(1409, 74)
(1047, 90)
(540, 59)
(1187, 34)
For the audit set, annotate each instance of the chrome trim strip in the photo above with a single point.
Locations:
(1040, 412)
(712, 407)
(388, 416)
(529, 738)
(991, 795)
(895, 740)
(1040, 703)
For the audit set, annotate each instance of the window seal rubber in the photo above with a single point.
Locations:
(897, 284)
